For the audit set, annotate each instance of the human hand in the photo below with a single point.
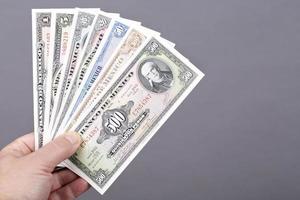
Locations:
(25, 174)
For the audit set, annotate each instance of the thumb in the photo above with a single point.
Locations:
(57, 151)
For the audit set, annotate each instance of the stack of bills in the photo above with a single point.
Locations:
(109, 79)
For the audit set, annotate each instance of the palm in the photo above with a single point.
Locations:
(37, 180)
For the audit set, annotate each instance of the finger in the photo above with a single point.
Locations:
(70, 191)
(21, 146)
(62, 178)
(56, 151)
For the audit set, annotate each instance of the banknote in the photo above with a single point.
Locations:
(80, 31)
(130, 112)
(41, 38)
(61, 35)
(98, 30)
(135, 40)
(112, 41)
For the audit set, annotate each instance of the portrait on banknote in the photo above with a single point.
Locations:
(155, 75)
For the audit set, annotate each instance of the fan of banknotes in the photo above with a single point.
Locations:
(109, 79)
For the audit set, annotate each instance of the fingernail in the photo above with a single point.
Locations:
(73, 138)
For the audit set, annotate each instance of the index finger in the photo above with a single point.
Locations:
(21, 146)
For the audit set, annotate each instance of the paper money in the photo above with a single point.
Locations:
(109, 79)
(81, 29)
(61, 35)
(41, 28)
(93, 43)
(111, 43)
(129, 113)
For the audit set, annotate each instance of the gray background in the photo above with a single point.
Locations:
(237, 134)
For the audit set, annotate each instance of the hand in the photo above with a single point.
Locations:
(28, 174)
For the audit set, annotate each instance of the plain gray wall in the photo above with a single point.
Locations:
(237, 134)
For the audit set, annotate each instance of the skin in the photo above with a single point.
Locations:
(27, 174)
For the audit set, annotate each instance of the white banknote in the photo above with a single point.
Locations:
(129, 113)
(41, 38)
